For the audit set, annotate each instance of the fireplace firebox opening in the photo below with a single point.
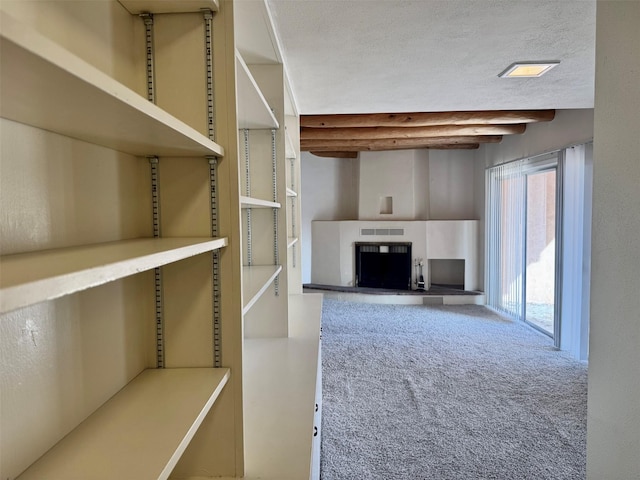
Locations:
(447, 273)
(383, 265)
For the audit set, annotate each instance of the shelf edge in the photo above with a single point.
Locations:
(249, 303)
(55, 286)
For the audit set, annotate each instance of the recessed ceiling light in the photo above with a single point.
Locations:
(528, 69)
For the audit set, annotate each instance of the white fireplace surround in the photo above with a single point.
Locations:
(333, 250)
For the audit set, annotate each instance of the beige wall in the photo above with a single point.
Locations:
(569, 127)
(329, 192)
(399, 175)
(451, 185)
(613, 426)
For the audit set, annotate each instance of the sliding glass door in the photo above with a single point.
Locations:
(522, 226)
(540, 251)
(538, 244)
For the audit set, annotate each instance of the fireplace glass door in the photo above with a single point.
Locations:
(383, 265)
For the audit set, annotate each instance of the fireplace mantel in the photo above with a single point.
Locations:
(333, 251)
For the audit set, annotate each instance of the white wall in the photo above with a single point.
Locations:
(329, 192)
(451, 185)
(396, 175)
(421, 185)
(613, 425)
(333, 254)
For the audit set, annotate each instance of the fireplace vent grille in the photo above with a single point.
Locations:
(385, 232)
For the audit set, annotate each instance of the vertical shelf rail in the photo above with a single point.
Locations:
(208, 48)
(213, 182)
(276, 253)
(293, 211)
(217, 332)
(155, 191)
(148, 27)
(247, 191)
(157, 272)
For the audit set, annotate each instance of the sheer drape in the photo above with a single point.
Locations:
(505, 237)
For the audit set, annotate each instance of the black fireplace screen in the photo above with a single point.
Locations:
(383, 265)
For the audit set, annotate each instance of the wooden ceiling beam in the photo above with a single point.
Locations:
(461, 146)
(380, 148)
(395, 143)
(423, 119)
(369, 133)
(336, 154)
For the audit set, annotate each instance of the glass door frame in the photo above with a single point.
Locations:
(494, 250)
(543, 164)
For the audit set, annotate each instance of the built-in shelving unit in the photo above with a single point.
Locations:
(125, 439)
(112, 372)
(250, 202)
(291, 241)
(73, 169)
(284, 406)
(136, 7)
(56, 91)
(290, 149)
(255, 281)
(253, 110)
(34, 277)
(281, 412)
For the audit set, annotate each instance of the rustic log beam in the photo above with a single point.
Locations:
(380, 148)
(391, 143)
(463, 146)
(361, 133)
(336, 154)
(423, 119)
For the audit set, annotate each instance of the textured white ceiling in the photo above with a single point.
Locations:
(368, 56)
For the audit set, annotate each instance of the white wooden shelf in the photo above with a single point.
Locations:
(255, 280)
(282, 406)
(291, 241)
(291, 193)
(250, 202)
(137, 7)
(253, 110)
(46, 86)
(29, 278)
(141, 432)
(289, 150)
